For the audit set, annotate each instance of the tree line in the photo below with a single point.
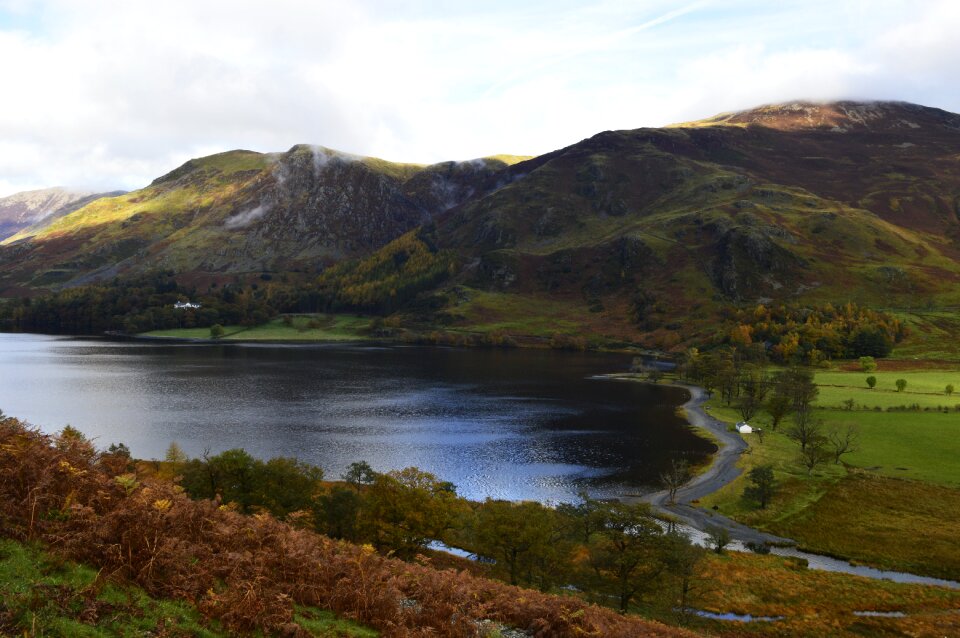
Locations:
(613, 553)
(811, 334)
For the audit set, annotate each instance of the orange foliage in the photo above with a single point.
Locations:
(249, 571)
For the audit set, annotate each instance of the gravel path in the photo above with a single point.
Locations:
(722, 471)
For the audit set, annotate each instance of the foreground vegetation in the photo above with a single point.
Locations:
(251, 572)
(45, 595)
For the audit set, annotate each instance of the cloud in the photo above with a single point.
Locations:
(244, 219)
(112, 93)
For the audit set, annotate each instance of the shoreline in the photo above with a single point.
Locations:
(721, 471)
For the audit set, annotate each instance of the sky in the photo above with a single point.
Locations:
(110, 94)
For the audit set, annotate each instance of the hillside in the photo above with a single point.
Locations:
(35, 209)
(243, 212)
(805, 203)
(644, 235)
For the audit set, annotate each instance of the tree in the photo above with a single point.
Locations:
(813, 454)
(626, 553)
(871, 382)
(117, 449)
(406, 509)
(175, 460)
(683, 560)
(284, 485)
(901, 384)
(805, 429)
(762, 486)
(843, 440)
(579, 520)
(949, 389)
(778, 407)
(719, 538)
(216, 331)
(868, 364)
(336, 513)
(674, 477)
(522, 537)
(798, 384)
(359, 473)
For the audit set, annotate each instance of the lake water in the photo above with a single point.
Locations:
(517, 424)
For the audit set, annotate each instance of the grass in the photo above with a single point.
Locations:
(494, 311)
(42, 595)
(318, 327)
(925, 387)
(866, 512)
(813, 603)
(894, 524)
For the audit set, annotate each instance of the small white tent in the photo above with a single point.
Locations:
(744, 428)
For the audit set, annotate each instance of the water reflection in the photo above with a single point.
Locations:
(506, 424)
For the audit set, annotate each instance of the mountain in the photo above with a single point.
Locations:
(654, 231)
(242, 212)
(40, 207)
(645, 234)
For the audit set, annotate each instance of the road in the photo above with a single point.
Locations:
(722, 471)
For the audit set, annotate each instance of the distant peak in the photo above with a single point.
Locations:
(840, 117)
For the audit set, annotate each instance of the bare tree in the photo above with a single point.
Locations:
(674, 477)
(805, 429)
(844, 440)
(814, 454)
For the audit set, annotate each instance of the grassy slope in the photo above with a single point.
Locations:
(41, 595)
(301, 328)
(900, 524)
(813, 603)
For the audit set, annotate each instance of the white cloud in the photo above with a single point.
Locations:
(113, 93)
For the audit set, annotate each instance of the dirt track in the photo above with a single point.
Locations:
(722, 471)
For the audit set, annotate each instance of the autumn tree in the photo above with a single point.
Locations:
(336, 513)
(523, 538)
(626, 553)
(405, 509)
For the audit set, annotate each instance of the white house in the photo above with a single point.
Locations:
(744, 428)
(185, 305)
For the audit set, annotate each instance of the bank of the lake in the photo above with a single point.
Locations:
(844, 512)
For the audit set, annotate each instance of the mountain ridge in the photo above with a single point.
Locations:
(624, 232)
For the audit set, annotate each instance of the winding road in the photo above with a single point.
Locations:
(722, 471)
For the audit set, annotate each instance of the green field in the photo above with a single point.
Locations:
(865, 510)
(925, 387)
(316, 327)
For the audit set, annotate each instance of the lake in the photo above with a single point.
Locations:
(516, 424)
